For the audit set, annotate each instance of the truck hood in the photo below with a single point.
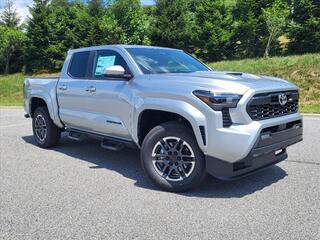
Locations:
(235, 82)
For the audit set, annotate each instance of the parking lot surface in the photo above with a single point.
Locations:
(78, 190)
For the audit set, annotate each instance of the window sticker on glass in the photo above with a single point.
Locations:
(104, 62)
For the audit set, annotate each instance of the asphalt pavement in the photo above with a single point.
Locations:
(78, 190)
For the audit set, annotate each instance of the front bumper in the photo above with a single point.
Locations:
(269, 149)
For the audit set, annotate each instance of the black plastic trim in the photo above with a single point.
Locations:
(262, 155)
(203, 134)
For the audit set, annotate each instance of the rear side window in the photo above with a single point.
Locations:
(79, 64)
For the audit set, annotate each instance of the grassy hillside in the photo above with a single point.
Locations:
(11, 88)
(302, 70)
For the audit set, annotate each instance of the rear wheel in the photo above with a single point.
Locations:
(45, 132)
(171, 157)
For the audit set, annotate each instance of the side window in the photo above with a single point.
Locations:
(107, 58)
(79, 64)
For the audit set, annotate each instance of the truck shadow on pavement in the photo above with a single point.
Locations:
(127, 163)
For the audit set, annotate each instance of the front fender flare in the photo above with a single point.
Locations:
(184, 109)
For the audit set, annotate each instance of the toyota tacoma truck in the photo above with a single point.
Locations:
(187, 120)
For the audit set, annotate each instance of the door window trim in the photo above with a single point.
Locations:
(89, 67)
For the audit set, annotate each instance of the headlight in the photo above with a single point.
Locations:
(218, 101)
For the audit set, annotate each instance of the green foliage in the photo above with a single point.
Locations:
(214, 30)
(210, 29)
(304, 29)
(12, 40)
(38, 32)
(174, 24)
(275, 17)
(12, 47)
(95, 14)
(251, 29)
(9, 16)
(11, 89)
(125, 22)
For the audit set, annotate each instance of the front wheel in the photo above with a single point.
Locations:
(45, 132)
(171, 157)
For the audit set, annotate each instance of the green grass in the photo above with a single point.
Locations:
(303, 70)
(11, 88)
(11, 93)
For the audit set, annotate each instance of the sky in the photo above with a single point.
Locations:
(23, 11)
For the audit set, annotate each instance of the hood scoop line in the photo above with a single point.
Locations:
(235, 73)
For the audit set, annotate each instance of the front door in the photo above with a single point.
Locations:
(109, 103)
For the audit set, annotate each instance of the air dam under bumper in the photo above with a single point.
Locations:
(269, 149)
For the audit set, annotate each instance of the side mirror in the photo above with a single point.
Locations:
(116, 71)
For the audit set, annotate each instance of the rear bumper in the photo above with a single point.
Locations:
(269, 149)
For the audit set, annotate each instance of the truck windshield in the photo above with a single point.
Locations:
(159, 60)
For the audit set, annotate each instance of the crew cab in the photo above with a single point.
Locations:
(187, 120)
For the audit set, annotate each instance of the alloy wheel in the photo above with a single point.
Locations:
(173, 158)
(40, 128)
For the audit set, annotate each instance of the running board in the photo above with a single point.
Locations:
(111, 145)
(76, 136)
(107, 142)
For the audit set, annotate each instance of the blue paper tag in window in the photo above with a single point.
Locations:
(104, 62)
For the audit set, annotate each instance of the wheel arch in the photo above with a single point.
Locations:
(154, 114)
(39, 100)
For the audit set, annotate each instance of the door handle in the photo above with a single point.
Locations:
(63, 87)
(90, 89)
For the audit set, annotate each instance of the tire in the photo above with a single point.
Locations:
(45, 132)
(167, 160)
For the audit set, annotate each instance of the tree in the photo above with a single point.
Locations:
(12, 46)
(9, 16)
(251, 29)
(214, 30)
(38, 32)
(126, 22)
(275, 17)
(174, 24)
(81, 21)
(62, 33)
(304, 29)
(96, 12)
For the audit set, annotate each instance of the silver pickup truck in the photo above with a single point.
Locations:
(187, 120)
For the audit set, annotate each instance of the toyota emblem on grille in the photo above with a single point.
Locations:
(282, 99)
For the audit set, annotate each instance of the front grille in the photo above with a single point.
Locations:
(266, 105)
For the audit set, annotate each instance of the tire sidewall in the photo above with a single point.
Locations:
(44, 113)
(181, 131)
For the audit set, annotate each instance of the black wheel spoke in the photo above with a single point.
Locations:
(170, 171)
(181, 172)
(165, 145)
(178, 145)
(159, 155)
(188, 158)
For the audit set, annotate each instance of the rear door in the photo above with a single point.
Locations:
(109, 103)
(72, 92)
